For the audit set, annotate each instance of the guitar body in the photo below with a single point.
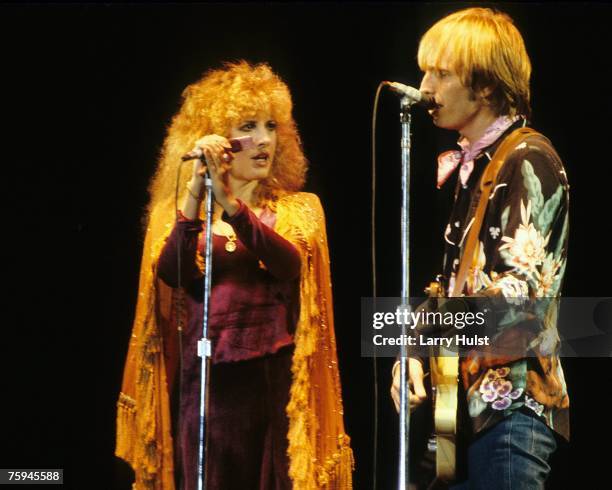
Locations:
(444, 369)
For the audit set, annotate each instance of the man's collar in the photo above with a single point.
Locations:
(490, 151)
(488, 142)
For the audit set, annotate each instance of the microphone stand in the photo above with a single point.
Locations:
(404, 412)
(204, 344)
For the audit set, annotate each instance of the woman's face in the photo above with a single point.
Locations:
(254, 163)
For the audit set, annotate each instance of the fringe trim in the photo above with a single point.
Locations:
(342, 468)
(337, 472)
(139, 424)
(126, 422)
(313, 465)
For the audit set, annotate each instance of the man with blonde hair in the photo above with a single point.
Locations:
(477, 70)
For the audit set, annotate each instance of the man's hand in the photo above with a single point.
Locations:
(416, 392)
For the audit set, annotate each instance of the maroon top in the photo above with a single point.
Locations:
(254, 303)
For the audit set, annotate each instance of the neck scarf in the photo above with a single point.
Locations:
(450, 160)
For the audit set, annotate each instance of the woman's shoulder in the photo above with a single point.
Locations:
(306, 202)
(301, 211)
(299, 197)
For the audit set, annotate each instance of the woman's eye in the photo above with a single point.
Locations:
(272, 124)
(247, 126)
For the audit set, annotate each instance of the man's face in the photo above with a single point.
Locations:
(458, 108)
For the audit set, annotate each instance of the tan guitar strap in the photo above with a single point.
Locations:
(487, 183)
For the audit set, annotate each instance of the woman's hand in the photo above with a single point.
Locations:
(416, 390)
(217, 155)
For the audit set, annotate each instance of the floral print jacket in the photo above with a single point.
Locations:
(522, 253)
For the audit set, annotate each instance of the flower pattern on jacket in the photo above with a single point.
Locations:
(525, 261)
(526, 250)
(497, 390)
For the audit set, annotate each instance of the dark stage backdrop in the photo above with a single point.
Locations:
(88, 93)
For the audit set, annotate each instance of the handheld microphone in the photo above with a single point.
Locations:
(414, 95)
(238, 144)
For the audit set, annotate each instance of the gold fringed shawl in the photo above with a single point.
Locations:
(144, 437)
(320, 456)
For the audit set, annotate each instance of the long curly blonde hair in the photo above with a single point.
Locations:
(220, 100)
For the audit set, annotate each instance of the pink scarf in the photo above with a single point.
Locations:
(450, 160)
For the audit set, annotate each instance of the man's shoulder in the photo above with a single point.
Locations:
(534, 153)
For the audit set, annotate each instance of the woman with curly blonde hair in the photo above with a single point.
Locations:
(274, 418)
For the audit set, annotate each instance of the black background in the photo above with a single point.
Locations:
(88, 91)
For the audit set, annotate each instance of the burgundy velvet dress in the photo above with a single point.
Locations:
(253, 312)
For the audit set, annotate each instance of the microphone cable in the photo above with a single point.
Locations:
(179, 311)
(374, 285)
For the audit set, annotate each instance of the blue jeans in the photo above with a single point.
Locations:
(512, 455)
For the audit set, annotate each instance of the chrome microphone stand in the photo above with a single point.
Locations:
(404, 411)
(204, 344)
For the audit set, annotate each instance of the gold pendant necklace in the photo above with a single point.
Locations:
(225, 229)
(230, 245)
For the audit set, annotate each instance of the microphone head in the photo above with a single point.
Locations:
(414, 95)
(242, 143)
(237, 144)
(427, 101)
(406, 91)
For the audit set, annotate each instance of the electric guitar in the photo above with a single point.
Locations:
(444, 369)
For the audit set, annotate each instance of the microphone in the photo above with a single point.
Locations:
(238, 144)
(414, 95)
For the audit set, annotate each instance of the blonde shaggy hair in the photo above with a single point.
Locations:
(486, 50)
(220, 100)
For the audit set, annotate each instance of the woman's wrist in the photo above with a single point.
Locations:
(195, 189)
(197, 181)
